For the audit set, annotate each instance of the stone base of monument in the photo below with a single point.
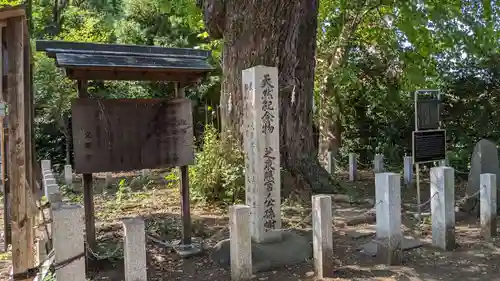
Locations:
(186, 251)
(292, 249)
(409, 243)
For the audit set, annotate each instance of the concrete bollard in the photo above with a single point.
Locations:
(443, 207)
(46, 165)
(322, 236)
(68, 242)
(240, 243)
(145, 173)
(135, 250)
(331, 164)
(353, 167)
(388, 211)
(68, 175)
(109, 179)
(488, 207)
(408, 170)
(378, 163)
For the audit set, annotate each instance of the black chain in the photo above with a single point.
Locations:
(33, 272)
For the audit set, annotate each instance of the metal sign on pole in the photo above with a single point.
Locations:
(428, 140)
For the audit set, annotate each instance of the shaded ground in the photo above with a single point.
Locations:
(474, 259)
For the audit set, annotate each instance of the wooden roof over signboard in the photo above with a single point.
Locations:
(8, 12)
(96, 61)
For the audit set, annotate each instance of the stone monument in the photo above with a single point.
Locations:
(271, 247)
(484, 160)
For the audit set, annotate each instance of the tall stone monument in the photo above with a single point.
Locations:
(270, 247)
(484, 160)
(261, 144)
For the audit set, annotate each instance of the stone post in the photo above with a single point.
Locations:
(240, 243)
(134, 250)
(378, 163)
(322, 236)
(353, 166)
(408, 170)
(46, 165)
(145, 173)
(68, 175)
(262, 155)
(331, 163)
(68, 242)
(109, 179)
(388, 211)
(488, 207)
(443, 207)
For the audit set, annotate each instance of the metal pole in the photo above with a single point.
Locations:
(417, 166)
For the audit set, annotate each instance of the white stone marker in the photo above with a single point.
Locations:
(134, 250)
(378, 163)
(145, 173)
(67, 235)
(109, 179)
(488, 207)
(240, 239)
(46, 165)
(322, 236)
(443, 207)
(388, 212)
(68, 175)
(261, 144)
(408, 170)
(353, 166)
(331, 163)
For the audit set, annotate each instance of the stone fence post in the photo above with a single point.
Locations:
(240, 238)
(135, 250)
(488, 207)
(69, 247)
(443, 207)
(388, 211)
(322, 236)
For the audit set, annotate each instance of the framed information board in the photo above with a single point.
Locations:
(429, 146)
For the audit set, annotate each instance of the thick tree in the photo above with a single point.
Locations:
(279, 33)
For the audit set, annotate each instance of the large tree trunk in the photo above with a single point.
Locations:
(279, 33)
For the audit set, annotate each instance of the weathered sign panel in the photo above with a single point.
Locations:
(427, 103)
(129, 134)
(429, 146)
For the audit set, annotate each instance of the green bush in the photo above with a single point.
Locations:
(218, 175)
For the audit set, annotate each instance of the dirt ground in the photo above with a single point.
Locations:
(157, 200)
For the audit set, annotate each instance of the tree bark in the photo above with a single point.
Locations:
(279, 33)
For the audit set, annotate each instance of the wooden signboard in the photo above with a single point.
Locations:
(130, 134)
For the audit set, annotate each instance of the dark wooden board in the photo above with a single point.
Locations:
(429, 146)
(129, 134)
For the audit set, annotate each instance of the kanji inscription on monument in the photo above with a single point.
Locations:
(262, 156)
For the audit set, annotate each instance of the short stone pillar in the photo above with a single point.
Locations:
(145, 173)
(388, 211)
(240, 239)
(46, 165)
(444, 162)
(322, 236)
(488, 207)
(378, 163)
(353, 166)
(331, 163)
(134, 250)
(68, 175)
(262, 151)
(408, 170)
(67, 234)
(442, 181)
(109, 179)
